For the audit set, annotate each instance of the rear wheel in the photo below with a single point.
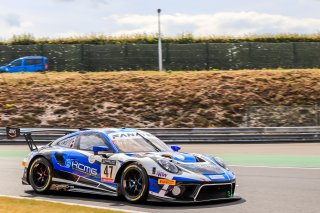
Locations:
(40, 175)
(134, 183)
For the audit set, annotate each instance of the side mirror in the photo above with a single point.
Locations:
(97, 149)
(175, 148)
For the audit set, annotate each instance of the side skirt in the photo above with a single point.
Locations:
(66, 185)
(90, 191)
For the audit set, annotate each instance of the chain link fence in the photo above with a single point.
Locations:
(200, 56)
(282, 116)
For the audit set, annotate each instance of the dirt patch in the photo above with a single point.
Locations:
(149, 99)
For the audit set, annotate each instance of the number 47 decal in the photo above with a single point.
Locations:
(108, 171)
(107, 174)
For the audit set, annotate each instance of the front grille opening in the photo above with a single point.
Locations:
(208, 192)
(188, 192)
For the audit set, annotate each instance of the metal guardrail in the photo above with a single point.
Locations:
(204, 135)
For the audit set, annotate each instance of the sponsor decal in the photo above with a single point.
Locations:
(91, 159)
(108, 180)
(206, 166)
(108, 162)
(167, 182)
(12, 132)
(123, 135)
(67, 163)
(216, 177)
(162, 174)
(75, 165)
(72, 143)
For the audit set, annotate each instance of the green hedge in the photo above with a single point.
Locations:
(152, 39)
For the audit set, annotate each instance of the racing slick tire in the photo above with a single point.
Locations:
(134, 183)
(40, 175)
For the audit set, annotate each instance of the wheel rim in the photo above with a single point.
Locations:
(133, 183)
(40, 175)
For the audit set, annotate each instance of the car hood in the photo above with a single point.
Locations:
(205, 168)
(176, 156)
(192, 162)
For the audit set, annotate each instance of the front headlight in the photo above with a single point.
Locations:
(220, 162)
(169, 166)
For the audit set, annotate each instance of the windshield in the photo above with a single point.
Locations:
(138, 142)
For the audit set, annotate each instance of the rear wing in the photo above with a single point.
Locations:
(13, 132)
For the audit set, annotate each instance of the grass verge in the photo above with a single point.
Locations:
(9, 205)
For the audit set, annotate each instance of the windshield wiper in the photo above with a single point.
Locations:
(149, 142)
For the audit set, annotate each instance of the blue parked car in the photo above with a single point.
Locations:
(26, 64)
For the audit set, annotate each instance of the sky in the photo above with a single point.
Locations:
(65, 18)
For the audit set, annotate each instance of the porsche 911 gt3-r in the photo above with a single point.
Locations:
(124, 162)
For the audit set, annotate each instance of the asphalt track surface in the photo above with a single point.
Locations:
(270, 178)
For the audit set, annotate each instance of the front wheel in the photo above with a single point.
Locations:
(40, 175)
(134, 183)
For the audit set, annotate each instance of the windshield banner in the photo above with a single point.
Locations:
(130, 135)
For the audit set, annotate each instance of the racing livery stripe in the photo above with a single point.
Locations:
(83, 180)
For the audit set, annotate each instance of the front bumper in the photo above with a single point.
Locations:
(197, 192)
(24, 178)
(154, 198)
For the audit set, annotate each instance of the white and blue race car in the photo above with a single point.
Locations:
(124, 162)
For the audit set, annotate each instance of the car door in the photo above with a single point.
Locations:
(87, 164)
(74, 157)
(16, 66)
(39, 64)
(68, 158)
(28, 65)
(32, 65)
(61, 155)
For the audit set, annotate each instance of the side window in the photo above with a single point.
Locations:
(38, 61)
(32, 61)
(88, 141)
(16, 63)
(68, 143)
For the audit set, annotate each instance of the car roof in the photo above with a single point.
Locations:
(107, 130)
(117, 130)
(32, 57)
(102, 130)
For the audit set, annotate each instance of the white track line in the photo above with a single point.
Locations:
(275, 167)
(71, 204)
